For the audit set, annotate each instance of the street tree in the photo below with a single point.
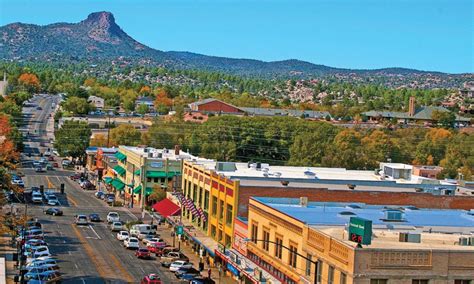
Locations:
(72, 139)
(125, 134)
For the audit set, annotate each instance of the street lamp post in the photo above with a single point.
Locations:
(292, 251)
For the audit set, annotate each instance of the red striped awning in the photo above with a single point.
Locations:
(167, 208)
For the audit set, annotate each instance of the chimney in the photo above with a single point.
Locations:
(176, 150)
(411, 106)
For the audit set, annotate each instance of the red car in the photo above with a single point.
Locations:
(143, 253)
(156, 247)
(56, 165)
(50, 158)
(75, 176)
(151, 279)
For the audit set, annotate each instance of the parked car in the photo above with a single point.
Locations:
(116, 226)
(151, 279)
(40, 262)
(113, 217)
(144, 229)
(131, 243)
(94, 217)
(174, 256)
(149, 235)
(55, 164)
(99, 194)
(122, 235)
(45, 277)
(201, 280)
(143, 253)
(54, 211)
(156, 247)
(50, 158)
(81, 220)
(178, 264)
(36, 197)
(149, 240)
(165, 250)
(187, 270)
(38, 251)
(109, 198)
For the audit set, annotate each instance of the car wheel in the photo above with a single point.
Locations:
(54, 214)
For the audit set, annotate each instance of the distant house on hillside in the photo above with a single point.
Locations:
(97, 102)
(3, 85)
(215, 106)
(145, 101)
(423, 113)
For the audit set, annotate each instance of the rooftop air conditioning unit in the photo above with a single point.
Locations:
(463, 241)
(394, 216)
(304, 201)
(409, 238)
(277, 174)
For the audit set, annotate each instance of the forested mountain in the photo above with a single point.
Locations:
(99, 39)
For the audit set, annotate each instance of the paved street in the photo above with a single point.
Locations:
(88, 254)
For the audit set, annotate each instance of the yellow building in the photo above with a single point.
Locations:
(140, 170)
(301, 242)
(216, 195)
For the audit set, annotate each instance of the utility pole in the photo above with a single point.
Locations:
(108, 131)
(143, 183)
(133, 184)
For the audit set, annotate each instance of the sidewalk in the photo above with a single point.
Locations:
(6, 252)
(165, 233)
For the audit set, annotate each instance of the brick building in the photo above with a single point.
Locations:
(214, 106)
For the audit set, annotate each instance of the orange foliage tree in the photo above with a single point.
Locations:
(30, 81)
(145, 90)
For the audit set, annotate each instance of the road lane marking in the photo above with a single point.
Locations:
(70, 199)
(89, 251)
(125, 273)
(95, 232)
(50, 184)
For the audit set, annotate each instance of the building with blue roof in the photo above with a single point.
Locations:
(298, 241)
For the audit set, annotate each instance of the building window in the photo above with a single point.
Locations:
(308, 265)
(330, 275)
(213, 231)
(155, 180)
(278, 246)
(199, 197)
(266, 238)
(214, 206)
(219, 235)
(459, 281)
(343, 278)
(227, 240)
(292, 256)
(148, 179)
(194, 192)
(420, 281)
(221, 210)
(228, 215)
(206, 200)
(254, 233)
(319, 267)
(378, 281)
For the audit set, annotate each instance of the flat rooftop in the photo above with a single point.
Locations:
(162, 153)
(339, 213)
(439, 229)
(266, 175)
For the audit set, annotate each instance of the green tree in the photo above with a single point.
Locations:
(72, 139)
(158, 194)
(445, 118)
(142, 109)
(125, 134)
(77, 105)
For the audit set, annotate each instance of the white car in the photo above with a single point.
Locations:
(37, 197)
(178, 264)
(40, 251)
(131, 243)
(152, 240)
(40, 262)
(122, 235)
(52, 200)
(113, 217)
(81, 220)
(116, 226)
(42, 258)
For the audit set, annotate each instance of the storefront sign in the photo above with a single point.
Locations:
(232, 269)
(156, 164)
(179, 230)
(360, 230)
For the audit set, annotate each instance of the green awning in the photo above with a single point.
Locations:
(148, 191)
(119, 170)
(160, 174)
(137, 172)
(137, 189)
(120, 156)
(107, 180)
(118, 185)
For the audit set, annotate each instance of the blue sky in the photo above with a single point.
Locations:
(423, 34)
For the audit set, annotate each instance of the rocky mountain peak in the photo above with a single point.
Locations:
(102, 19)
(102, 28)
